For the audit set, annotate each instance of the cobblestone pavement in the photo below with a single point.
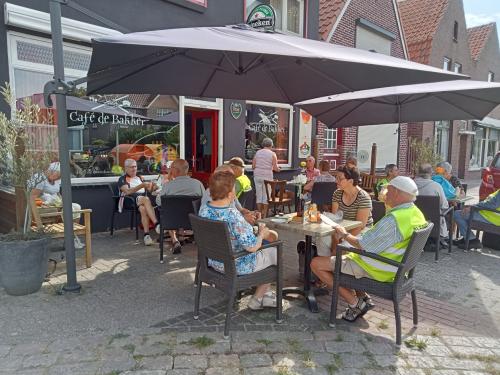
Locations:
(134, 316)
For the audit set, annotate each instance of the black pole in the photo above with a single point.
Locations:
(62, 133)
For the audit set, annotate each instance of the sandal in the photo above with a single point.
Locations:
(351, 314)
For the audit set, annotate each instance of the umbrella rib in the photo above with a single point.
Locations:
(215, 66)
(202, 93)
(453, 105)
(224, 54)
(332, 109)
(134, 72)
(326, 76)
(349, 112)
(271, 74)
(472, 97)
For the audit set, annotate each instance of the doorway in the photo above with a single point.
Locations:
(201, 128)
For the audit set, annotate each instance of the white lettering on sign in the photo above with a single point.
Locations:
(87, 118)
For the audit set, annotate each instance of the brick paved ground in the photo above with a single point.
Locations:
(134, 317)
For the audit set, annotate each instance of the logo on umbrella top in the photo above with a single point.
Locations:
(262, 17)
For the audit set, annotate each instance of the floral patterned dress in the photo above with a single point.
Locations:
(242, 236)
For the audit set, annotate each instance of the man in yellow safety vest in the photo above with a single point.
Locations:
(388, 238)
(461, 217)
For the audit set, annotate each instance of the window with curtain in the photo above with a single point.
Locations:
(330, 138)
(442, 138)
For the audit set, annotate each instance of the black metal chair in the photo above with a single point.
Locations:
(196, 205)
(431, 208)
(230, 282)
(174, 215)
(395, 291)
(322, 193)
(479, 225)
(134, 211)
(378, 211)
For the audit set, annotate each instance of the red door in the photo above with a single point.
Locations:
(204, 143)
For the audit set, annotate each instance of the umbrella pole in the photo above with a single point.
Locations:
(399, 134)
(62, 133)
(117, 144)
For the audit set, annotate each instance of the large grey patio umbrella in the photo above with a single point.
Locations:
(238, 62)
(451, 100)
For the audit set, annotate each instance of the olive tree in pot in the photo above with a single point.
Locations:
(23, 254)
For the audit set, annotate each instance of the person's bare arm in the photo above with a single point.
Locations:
(362, 215)
(35, 193)
(309, 186)
(345, 235)
(128, 191)
(335, 207)
(263, 232)
(253, 163)
(275, 163)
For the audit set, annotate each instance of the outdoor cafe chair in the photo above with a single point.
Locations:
(134, 210)
(174, 213)
(378, 211)
(479, 225)
(395, 291)
(214, 242)
(245, 198)
(275, 192)
(431, 208)
(322, 193)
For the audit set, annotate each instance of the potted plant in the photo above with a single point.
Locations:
(23, 254)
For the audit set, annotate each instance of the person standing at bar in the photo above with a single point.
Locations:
(264, 163)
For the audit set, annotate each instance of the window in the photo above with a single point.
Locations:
(442, 138)
(455, 31)
(372, 41)
(446, 63)
(457, 67)
(269, 120)
(330, 138)
(491, 77)
(289, 14)
(160, 112)
(478, 143)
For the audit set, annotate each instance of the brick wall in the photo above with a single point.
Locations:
(382, 14)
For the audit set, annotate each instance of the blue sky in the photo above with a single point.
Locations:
(478, 12)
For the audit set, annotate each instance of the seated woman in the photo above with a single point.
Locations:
(354, 202)
(444, 169)
(221, 185)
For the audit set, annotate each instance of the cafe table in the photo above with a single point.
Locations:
(461, 199)
(311, 231)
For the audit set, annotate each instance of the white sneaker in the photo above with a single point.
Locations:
(157, 228)
(255, 304)
(78, 244)
(148, 241)
(269, 300)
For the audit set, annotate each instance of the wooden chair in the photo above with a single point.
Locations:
(479, 225)
(229, 282)
(396, 290)
(368, 182)
(51, 224)
(275, 192)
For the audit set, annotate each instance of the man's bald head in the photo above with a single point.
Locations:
(180, 167)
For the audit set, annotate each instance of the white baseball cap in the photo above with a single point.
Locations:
(405, 184)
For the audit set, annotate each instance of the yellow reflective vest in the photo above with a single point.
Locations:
(244, 185)
(407, 220)
(492, 217)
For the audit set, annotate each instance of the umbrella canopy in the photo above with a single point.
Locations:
(238, 62)
(451, 100)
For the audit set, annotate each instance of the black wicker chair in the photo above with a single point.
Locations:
(431, 208)
(378, 211)
(245, 198)
(134, 211)
(396, 290)
(205, 233)
(322, 193)
(479, 225)
(174, 213)
(196, 205)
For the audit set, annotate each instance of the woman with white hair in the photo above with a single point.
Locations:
(447, 173)
(443, 169)
(45, 187)
(264, 163)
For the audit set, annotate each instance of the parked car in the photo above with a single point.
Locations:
(490, 178)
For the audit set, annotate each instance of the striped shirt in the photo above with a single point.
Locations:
(383, 235)
(362, 200)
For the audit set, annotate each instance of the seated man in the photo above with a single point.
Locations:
(391, 171)
(426, 186)
(243, 183)
(388, 238)
(132, 185)
(462, 217)
(180, 184)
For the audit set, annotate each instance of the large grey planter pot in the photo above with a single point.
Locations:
(23, 265)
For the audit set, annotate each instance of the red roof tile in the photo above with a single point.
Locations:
(420, 20)
(329, 10)
(477, 38)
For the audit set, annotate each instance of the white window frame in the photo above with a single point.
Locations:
(491, 77)
(446, 63)
(284, 12)
(290, 129)
(457, 67)
(327, 138)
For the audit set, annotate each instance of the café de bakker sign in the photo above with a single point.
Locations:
(80, 118)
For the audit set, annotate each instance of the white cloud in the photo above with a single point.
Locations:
(481, 19)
